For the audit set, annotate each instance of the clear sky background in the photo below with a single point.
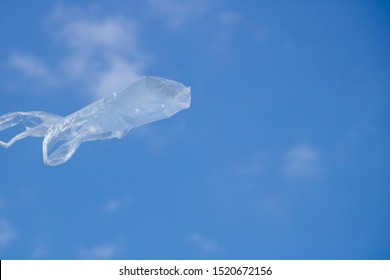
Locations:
(284, 153)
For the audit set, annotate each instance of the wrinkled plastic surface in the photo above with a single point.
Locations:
(147, 100)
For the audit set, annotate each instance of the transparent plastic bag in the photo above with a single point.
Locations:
(147, 100)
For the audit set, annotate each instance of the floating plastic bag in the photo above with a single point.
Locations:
(147, 100)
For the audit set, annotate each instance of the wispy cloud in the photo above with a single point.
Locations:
(102, 54)
(29, 65)
(105, 250)
(40, 251)
(229, 18)
(205, 244)
(105, 52)
(301, 161)
(41, 246)
(198, 16)
(102, 251)
(250, 168)
(33, 68)
(7, 232)
(178, 13)
(108, 249)
(115, 204)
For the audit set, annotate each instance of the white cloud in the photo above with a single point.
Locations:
(301, 161)
(118, 75)
(178, 13)
(103, 251)
(200, 19)
(205, 244)
(7, 232)
(29, 65)
(41, 246)
(40, 251)
(110, 33)
(229, 18)
(250, 168)
(102, 54)
(113, 205)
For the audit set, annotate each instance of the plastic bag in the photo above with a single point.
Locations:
(147, 100)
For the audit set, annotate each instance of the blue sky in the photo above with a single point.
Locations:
(284, 153)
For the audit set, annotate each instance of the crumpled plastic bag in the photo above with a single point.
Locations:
(147, 100)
